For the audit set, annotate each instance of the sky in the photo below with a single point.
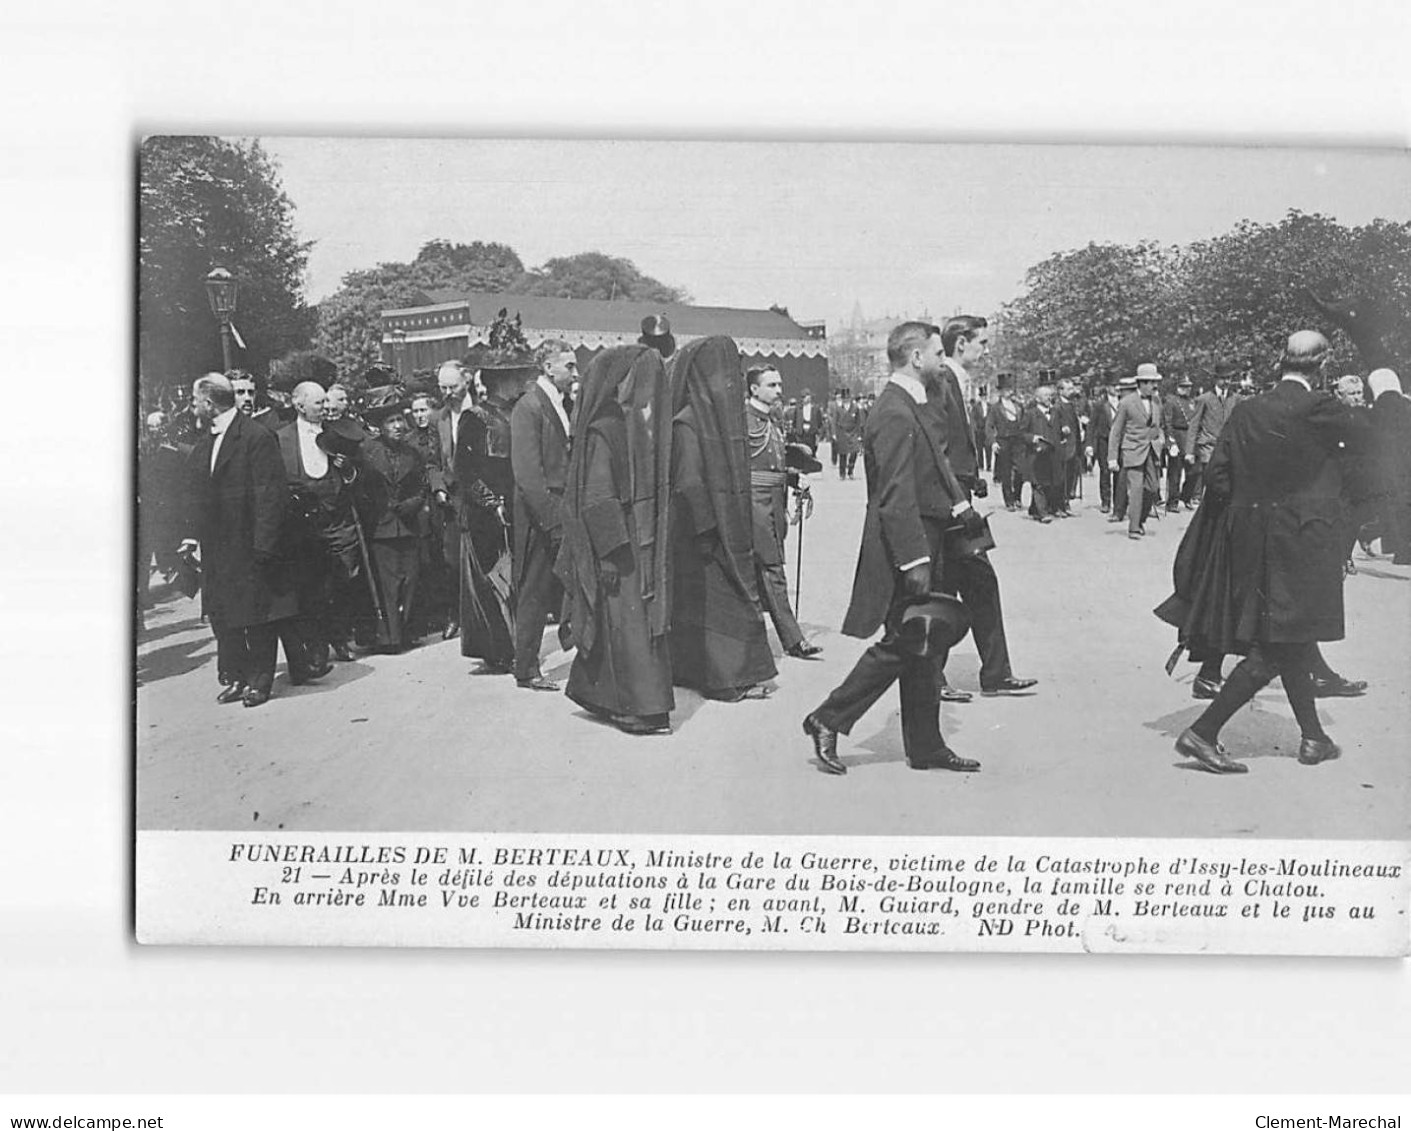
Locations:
(818, 226)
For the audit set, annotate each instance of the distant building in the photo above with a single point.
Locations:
(858, 351)
(422, 337)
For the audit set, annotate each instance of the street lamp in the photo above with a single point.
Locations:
(223, 290)
(399, 347)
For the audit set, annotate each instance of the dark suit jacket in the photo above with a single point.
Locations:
(539, 459)
(911, 492)
(237, 514)
(1277, 463)
(1100, 428)
(960, 439)
(807, 432)
(1042, 441)
(1066, 414)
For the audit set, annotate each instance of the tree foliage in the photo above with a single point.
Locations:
(205, 202)
(350, 320)
(1235, 297)
(592, 274)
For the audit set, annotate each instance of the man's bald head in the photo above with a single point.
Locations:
(1305, 354)
(308, 401)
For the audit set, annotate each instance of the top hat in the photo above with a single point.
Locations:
(1004, 382)
(800, 457)
(1224, 370)
(931, 625)
(656, 332)
(1146, 371)
(341, 437)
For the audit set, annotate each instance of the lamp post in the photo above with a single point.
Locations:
(399, 349)
(223, 290)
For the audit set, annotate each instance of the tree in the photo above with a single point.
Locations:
(591, 274)
(1104, 305)
(204, 202)
(1243, 292)
(350, 320)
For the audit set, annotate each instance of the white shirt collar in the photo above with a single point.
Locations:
(555, 398)
(222, 421)
(308, 426)
(911, 385)
(1296, 377)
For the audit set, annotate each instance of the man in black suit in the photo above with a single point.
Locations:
(966, 341)
(236, 515)
(539, 440)
(805, 422)
(1275, 469)
(1103, 413)
(912, 497)
(1004, 430)
(455, 384)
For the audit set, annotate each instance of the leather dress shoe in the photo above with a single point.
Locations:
(825, 745)
(1311, 751)
(945, 759)
(1043, 518)
(1008, 686)
(1135, 534)
(451, 631)
(1115, 517)
(340, 650)
(950, 694)
(231, 692)
(1211, 755)
(1206, 688)
(803, 650)
(1335, 687)
(537, 683)
(255, 697)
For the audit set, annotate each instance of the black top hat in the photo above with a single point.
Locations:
(932, 625)
(1004, 382)
(341, 437)
(656, 332)
(1224, 370)
(800, 457)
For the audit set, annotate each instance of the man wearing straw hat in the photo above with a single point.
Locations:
(1134, 445)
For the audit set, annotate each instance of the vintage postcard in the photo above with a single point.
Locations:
(773, 545)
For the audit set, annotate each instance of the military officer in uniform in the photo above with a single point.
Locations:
(769, 483)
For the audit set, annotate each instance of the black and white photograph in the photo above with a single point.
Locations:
(826, 490)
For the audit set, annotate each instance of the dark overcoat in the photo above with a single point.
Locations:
(539, 459)
(911, 493)
(237, 514)
(1265, 564)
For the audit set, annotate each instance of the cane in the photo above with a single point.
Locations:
(371, 581)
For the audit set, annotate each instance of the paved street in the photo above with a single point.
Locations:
(415, 742)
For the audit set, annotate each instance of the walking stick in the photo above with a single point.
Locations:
(377, 606)
(798, 563)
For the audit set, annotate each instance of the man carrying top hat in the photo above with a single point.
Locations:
(1134, 445)
(912, 498)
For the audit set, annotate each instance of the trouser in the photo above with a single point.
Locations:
(1007, 471)
(1105, 479)
(1072, 475)
(539, 594)
(247, 653)
(876, 670)
(1141, 483)
(1175, 466)
(984, 453)
(846, 462)
(1293, 663)
(974, 581)
(774, 596)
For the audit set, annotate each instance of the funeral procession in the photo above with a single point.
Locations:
(450, 515)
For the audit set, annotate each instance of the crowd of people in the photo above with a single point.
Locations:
(642, 506)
